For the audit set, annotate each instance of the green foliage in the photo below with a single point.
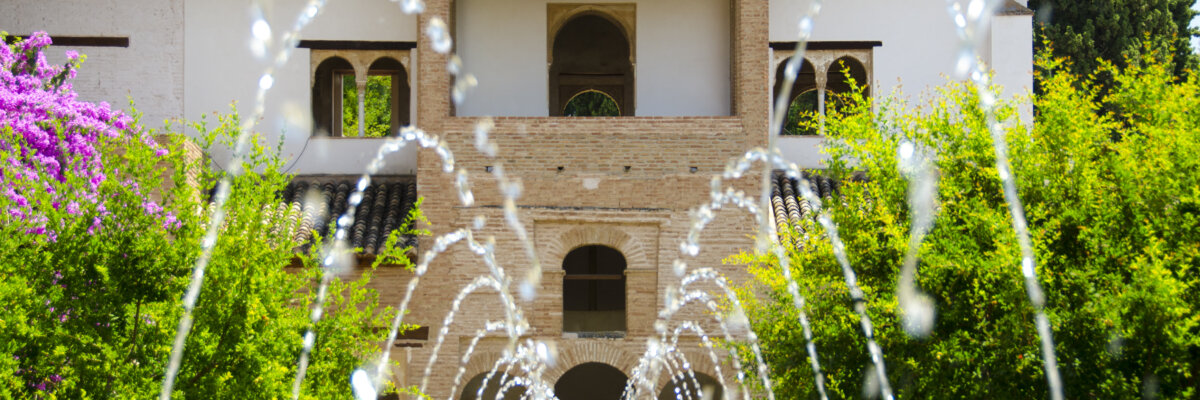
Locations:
(92, 313)
(377, 106)
(1115, 225)
(803, 108)
(1113, 30)
(592, 103)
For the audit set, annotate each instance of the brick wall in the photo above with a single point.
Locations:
(641, 211)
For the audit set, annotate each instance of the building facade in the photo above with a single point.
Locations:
(685, 86)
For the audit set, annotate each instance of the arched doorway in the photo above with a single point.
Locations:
(682, 388)
(591, 381)
(594, 291)
(495, 383)
(591, 53)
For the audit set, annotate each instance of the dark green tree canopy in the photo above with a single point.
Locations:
(1114, 30)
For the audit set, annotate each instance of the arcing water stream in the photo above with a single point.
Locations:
(525, 361)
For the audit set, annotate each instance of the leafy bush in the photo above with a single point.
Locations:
(100, 229)
(1113, 204)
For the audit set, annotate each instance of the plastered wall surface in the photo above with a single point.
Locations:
(681, 64)
(222, 69)
(150, 70)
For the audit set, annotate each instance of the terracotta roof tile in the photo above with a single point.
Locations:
(312, 202)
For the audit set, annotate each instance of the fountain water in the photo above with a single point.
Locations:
(525, 361)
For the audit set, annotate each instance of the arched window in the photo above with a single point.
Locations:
(327, 95)
(591, 103)
(814, 95)
(803, 106)
(359, 93)
(512, 391)
(682, 387)
(591, 381)
(804, 98)
(591, 53)
(841, 72)
(594, 291)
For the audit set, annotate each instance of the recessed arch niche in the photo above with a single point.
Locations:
(591, 49)
(594, 291)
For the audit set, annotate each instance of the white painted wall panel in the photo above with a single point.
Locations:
(681, 66)
(222, 69)
(150, 70)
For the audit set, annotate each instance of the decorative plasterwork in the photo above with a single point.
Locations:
(361, 60)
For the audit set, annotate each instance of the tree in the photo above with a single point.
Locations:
(100, 229)
(1115, 225)
(1114, 30)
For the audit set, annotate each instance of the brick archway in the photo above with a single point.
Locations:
(556, 249)
(574, 354)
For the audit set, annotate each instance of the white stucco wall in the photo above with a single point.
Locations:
(221, 68)
(920, 47)
(1012, 58)
(681, 68)
(919, 40)
(150, 70)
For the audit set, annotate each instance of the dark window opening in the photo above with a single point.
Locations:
(591, 381)
(594, 290)
(591, 54)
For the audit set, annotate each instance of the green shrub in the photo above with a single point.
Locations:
(1113, 203)
(96, 252)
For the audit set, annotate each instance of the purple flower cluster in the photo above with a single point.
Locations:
(52, 133)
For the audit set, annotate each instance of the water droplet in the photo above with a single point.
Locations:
(479, 222)
(439, 35)
(261, 30)
(680, 268)
(266, 82)
(975, 9)
(966, 60)
(918, 315)
(412, 6)
(906, 150)
(871, 385)
(454, 66)
(360, 383)
(805, 27)
(528, 292)
(1027, 266)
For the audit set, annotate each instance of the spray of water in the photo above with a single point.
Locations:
(972, 19)
(262, 34)
(525, 361)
